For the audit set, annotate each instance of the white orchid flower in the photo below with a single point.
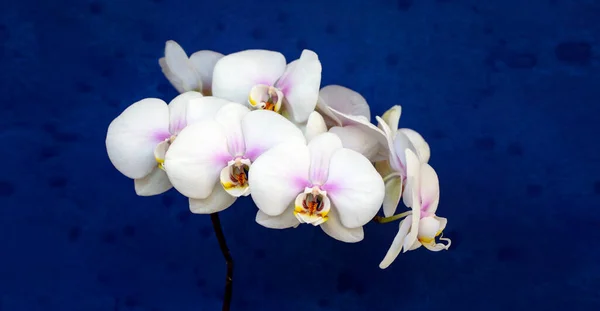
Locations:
(136, 141)
(346, 114)
(394, 168)
(422, 226)
(262, 79)
(210, 160)
(192, 73)
(321, 183)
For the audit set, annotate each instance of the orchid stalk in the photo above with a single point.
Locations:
(251, 126)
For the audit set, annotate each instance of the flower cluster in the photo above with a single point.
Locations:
(251, 124)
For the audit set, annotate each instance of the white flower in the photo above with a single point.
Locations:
(393, 168)
(210, 160)
(341, 100)
(262, 79)
(138, 138)
(421, 227)
(189, 74)
(321, 183)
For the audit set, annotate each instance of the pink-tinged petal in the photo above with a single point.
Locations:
(133, 135)
(322, 149)
(355, 188)
(154, 183)
(401, 143)
(178, 109)
(278, 176)
(429, 190)
(264, 130)
(344, 100)
(335, 229)
(300, 84)
(204, 62)
(421, 146)
(195, 159)
(396, 247)
(357, 139)
(235, 74)
(284, 221)
(204, 108)
(178, 68)
(217, 201)
(230, 117)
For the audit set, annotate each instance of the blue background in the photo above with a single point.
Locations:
(506, 93)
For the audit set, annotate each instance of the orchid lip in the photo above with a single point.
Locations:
(266, 97)
(234, 177)
(312, 206)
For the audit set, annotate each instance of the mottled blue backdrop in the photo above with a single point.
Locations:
(506, 92)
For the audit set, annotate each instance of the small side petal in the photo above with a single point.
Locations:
(393, 193)
(354, 187)
(397, 244)
(314, 126)
(322, 149)
(345, 100)
(392, 117)
(235, 74)
(217, 201)
(356, 139)
(154, 183)
(335, 229)
(284, 221)
(278, 176)
(265, 129)
(133, 135)
(195, 159)
(421, 146)
(300, 84)
(204, 62)
(178, 108)
(178, 68)
(412, 192)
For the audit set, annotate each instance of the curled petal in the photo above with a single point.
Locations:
(354, 187)
(412, 197)
(314, 126)
(429, 189)
(300, 84)
(230, 117)
(392, 117)
(264, 130)
(322, 149)
(204, 62)
(375, 134)
(397, 244)
(356, 139)
(393, 193)
(335, 229)
(204, 108)
(235, 74)
(278, 176)
(132, 137)
(284, 221)
(195, 159)
(178, 109)
(178, 68)
(154, 183)
(217, 201)
(419, 143)
(344, 100)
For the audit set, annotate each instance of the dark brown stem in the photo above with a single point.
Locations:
(216, 222)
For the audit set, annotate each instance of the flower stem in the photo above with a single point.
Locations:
(383, 220)
(216, 222)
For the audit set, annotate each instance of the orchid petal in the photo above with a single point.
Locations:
(195, 159)
(178, 108)
(392, 117)
(429, 189)
(335, 229)
(421, 146)
(397, 244)
(356, 139)
(300, 84)
(314, 126)
(354, 187)
(235, 74)
(204, 62)
(278, 176)
(397, 157)
(412, 186)
(284, 221)
(322, 149)
(230, 117)
(264, 129)
(217, 201)
(178, 68)
(393, 193)
(154, 183)
(204, 108)
(133, 135)
(344, 100)
(429, 229)
(375, 134)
